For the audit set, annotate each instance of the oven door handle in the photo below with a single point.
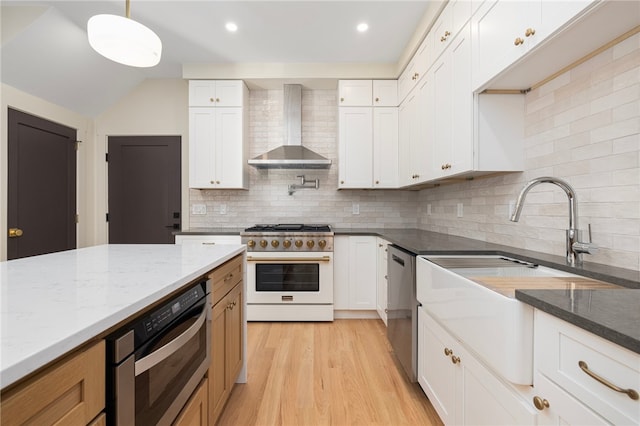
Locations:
(159, 355)
(288, 259)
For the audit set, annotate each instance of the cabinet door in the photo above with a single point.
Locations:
(229, 93)
(436, 372)
(196, 411)
(385, 147)
(405, 119)
(451, 149)
(202, 93)
(202, 141)
(355, 93)
(219, 387)
(362, 272)
(422, 131)
(381, 296)
(229, 165)
(553, 15)
(234, 334)
(406, 82)
(442, 31)
(385, 93)
(486, 399)
(356, 147)
(499, 29)
(341, 272)
(563, 409)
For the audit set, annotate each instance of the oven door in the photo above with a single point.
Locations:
(163, 373)
(297, 278)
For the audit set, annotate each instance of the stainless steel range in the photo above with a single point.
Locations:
(289, 272)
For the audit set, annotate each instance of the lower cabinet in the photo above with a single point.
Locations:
(226, 337)
(355, 280)
(69, 392)
(581, 378)
(196, 411)
(461, 388)
(381, 279)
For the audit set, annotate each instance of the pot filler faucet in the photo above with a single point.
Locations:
(575, 247)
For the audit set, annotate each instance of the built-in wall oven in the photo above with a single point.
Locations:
(289, 272)
(156, 362)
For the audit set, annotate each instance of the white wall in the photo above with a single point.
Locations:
(16, 99)
(156, 107)
(584, 127)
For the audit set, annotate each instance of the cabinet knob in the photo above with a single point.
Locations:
(518, 41)
(218, 182)
(448, 351)
(377, 99)
(211, 100)
(455, 359)
(529, 32)
(540, 403)
(341, 99)
(212, 182)
(217, 99)
(342, 182)
(377, 182)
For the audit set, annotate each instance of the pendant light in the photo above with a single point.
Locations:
(124, 40)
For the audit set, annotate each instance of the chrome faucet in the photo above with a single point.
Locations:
(574, 247)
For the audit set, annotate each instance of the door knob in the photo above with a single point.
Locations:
(15, 232)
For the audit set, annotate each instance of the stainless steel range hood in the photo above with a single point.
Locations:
(291, 155)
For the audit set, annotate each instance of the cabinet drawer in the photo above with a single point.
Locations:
(560, 347)
(225, 277)
(70, 392)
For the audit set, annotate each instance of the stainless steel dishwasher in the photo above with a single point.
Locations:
(402, 309)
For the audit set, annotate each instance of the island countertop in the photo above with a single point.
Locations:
(53, 303)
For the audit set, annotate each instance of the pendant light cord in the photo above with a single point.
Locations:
(128, 10)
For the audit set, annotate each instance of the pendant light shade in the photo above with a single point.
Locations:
(124, 40)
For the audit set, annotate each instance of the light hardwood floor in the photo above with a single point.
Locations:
(340, 373)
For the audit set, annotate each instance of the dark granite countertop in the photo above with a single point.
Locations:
(610, 314)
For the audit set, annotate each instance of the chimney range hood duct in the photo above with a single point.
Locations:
(291, 155)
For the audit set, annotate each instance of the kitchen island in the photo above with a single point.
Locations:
(54, 303)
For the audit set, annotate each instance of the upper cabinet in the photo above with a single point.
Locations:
(218, 135)
(216, 93)
(367, 93)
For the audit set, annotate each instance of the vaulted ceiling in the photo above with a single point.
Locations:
(45, 50)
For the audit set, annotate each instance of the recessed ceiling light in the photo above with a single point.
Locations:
(363, 27)
(231, 27)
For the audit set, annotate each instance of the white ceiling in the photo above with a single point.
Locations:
(45, 50)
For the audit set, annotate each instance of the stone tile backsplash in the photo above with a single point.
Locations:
(583, 126)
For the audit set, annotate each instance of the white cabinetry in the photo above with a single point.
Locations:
(355, 272)
(368, 145)
(355, 93)
(461, 389)
(221, 93)
(218, 138)
(385, 93)
(416, 129)
(568, 363)
(505, 30)
(381, 296)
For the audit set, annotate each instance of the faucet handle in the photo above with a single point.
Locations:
(586, 248)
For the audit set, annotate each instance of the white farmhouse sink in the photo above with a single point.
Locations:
(498, 328)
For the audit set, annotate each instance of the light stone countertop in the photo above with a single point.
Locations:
(53, 303)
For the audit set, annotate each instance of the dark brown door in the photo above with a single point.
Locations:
(144, 189)
(41, 212)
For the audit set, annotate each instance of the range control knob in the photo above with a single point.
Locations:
(286, 243)
(322, 243)
(298, 243)
(275, 243)
(310, 243)
(251, 243)
(263, 243)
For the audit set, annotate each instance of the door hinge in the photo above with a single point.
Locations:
(77, 218)
(107, 217)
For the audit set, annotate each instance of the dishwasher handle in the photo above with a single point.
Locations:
(397, 259)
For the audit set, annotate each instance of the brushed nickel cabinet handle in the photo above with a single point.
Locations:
(633, 394)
